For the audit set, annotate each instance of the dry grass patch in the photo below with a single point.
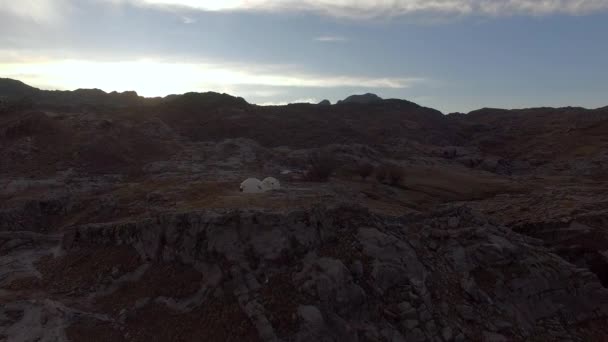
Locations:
(455, 184)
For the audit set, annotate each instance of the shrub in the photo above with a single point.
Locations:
(365, 170)
(389, 173)
(321, 166)
(395, 174)
(381, 174)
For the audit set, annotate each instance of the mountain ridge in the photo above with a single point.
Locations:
(12, 89)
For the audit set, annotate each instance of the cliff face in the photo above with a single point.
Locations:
(328, 274)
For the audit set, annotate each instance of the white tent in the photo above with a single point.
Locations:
(271, 183)
(252, 186)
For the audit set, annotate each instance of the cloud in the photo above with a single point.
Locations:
(377, 8)
(263, 93)
(45, 12)
(158, 78)
(38, 11)
(284, 103)
(330, 39)
(188, 20)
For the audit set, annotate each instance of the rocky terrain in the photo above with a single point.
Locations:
(121, 220)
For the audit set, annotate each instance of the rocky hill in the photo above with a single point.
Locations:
(121, 220)
(17, 91)
(362, 99)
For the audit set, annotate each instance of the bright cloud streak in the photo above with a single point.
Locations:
(151, 78)
(373, 8)
(284, 103)
(331, 39)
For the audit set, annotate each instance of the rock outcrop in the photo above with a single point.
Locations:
(339, 274)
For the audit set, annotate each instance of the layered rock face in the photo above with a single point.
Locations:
(329, 274)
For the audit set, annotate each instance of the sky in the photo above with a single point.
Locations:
(452, 55)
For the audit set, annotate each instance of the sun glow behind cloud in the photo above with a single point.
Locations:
(154, 78)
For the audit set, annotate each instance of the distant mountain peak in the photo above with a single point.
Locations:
(362, 99)
(195, 101)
